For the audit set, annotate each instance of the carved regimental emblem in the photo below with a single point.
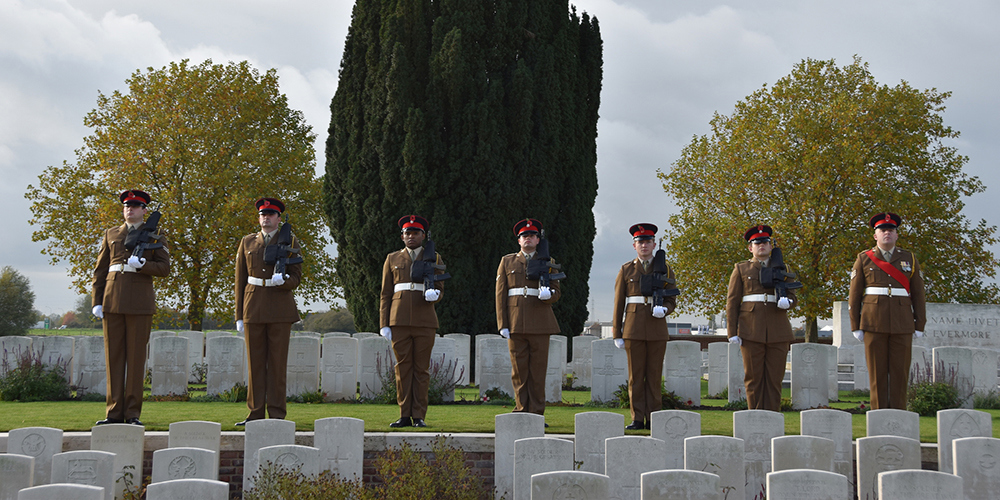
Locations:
(33, 445)
(82, 471)
(181, 467)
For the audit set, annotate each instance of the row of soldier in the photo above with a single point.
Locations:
(740, 464)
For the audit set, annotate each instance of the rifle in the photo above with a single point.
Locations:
(277, 254)
(655, 283)
(540, 268)
(775, 275)
(145, 237)
(423, 270)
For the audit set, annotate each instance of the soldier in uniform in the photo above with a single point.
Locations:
(525, 319)
(408, 320)
(123, 296)
(757, 321)
(887, 311)
(640, 328)
(265, 312)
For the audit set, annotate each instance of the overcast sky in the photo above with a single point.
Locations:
(668, 66)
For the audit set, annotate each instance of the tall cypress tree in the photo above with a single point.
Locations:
(474, 114)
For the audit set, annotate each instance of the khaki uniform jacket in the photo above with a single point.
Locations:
(636, 321)
(523, 314)
(405, 307)
(881, 313)
(260, 304)
(127, 293)
(761, 322)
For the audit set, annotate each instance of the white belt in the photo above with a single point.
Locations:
(260, 281)
(400, 287)
(884, 290)
(121, 268)
(524, 292)
(638, 299)
(759, 297)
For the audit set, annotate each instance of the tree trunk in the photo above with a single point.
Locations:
(812, 332)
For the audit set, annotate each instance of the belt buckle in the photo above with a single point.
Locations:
(888, 291)
(524, 291)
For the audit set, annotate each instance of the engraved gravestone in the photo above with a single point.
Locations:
(833, 393)
(680, 484)
(892, 422)
(626, 458)
(918, 485)
(340, 368)
(341, 444)
(509, 428)
(62, 492)
(537, 455)
(718, 367)
(493, 368)
(89, 371)
(956, 424)
(805, 484)
(608, 369)
(445, 362)
(291, 457)
(834, 425)
(882, 454)
(682, 370)
(170, 368)
(16, 473)
(196, 434)
(85, 467)
(976, 462)
(56, 350)
(756, 428)
(810, 384)
(673, 427)
(984, 370)
(184, 463)
(462, 350)
(302, 371)
(953, 365)
(860, 368)
(722, 456)
(554, 369)
(591, 428)
(261, 434)
(226, 364)
(126, 441)
(188, 489)
(11, 348)
(376, 361)
(737, 389)
(196, 352)
(581, 359)
(39, 443)
(569, 485)
(802, 452)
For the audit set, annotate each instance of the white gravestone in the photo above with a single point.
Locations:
(90, 468)
(680, 484)
(831, 365)
(893, 422)
(883, 454)
(984, 370)
(608, 369)
(56, 350)
(737, 387)
(860, 368)
(673, 427)
(188, 489)
(291, 457)
(810, 385)
(756, 428)
(364, 335)
(196, 434)
(126, 441)
(302, 371)
(16, 472)
(463, 348)
(682, 370)
(445, 360)
(842, 336)
(40, 443)
(150, 347)
(493, 368)
(975, 460)
(918, 485)
(374, 356)
(184, 463)
(626, 458)
(341, 444)
(806, 484)
(953, 365)
(718, 367)
(227, 364)
(582, 359)
(170, 368)
(591, 429)
(89, 373)
(509, 428)
(536, 456)
(261, 434)
(802, 452)
(836, 426)
(12, 348)
(340, 368)
(62, 492)
(578, 485)
(722, 456)
(956, 424)
(554, 369)
(196, 352)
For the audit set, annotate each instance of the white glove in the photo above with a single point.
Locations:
(432, 295)
(735, 340)
(784, 303)
(917, 334)
(239, 325)
(277, 279)
(98, 311)
(620, 343)
(544, 293)
(386, 332)
(505, 333)
(659, 311)
(859, 334)
(136, 262)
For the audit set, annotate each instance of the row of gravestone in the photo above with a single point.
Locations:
(741, 462)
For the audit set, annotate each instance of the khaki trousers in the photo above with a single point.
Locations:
(888, 357)
(125, 339)
(267, 361)
(529, 358)
(412, 347)
(763, 369)
(645, 377)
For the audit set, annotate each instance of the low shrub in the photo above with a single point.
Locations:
(496, 396)
(987, 401)
(313, 397)
(926, 396)
(235, 394)
(739, 404)
(29, 379)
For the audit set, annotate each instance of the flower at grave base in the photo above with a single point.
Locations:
(485, 398)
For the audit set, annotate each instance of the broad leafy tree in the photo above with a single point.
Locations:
(205, 141)
(815, 156)
(475, 115)
(17, 302)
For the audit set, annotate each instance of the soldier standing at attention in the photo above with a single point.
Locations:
(408, 320)
(757, 320)
(123, 297)
(525, 318)
(887, 311)
(266, 310)
(640, 328)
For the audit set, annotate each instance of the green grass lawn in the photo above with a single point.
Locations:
(466, 416)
